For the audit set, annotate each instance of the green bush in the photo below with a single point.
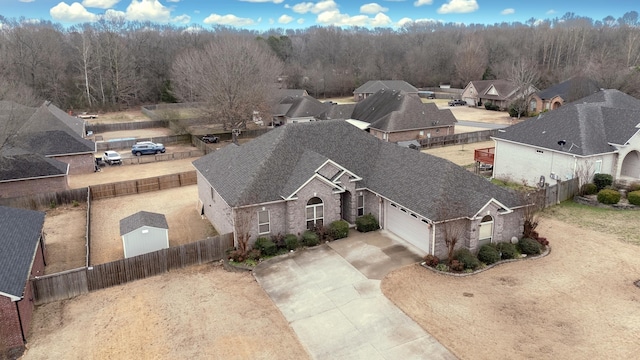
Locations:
(367, 223)
(508, 250)
(253, 254)
(309, 238)
(491, 106)
(266, 246)
(608, 196)
(467, 258)
(488, 254)
(634, 197)
(442, 267)
(602, 180)
(339, 229)
(291, 242)
(589, 189)
(529, 246)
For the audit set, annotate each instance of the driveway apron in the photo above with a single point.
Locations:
(338, 312)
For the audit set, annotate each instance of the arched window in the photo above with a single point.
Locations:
(315, 213)
(485, 232)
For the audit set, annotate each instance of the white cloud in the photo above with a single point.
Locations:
(422, 2)
(285, 19)
(181, 19)
(264, 1)
(300, 21)
(315, 8)
(27, 1)
(228, 19)
(173, 1)
(372, 8)
(458, 6)
(110, 13)
(551, 12)
(508, 11)
(408, 21)
(380, 20)
(71, 13)
(100, 4)
(147, 10)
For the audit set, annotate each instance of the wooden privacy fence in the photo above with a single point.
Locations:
(44, 200)
(68, 284)
(561, 191)
(135, 125)
(163, 157)
(138, 186)
(463, 138)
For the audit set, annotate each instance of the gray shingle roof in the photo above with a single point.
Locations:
(17, 164)
(20, 231)
(505, 88)
(140, 219)
(391, 110)
(373, 86)
(589, 124)
(270, 166)
(300, 106)
(571, 89)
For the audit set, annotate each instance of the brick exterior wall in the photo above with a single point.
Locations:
(79, 164)
(296, 210)
(414, 134)
(34, 186)
(215, 209)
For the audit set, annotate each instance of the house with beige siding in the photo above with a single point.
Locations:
(302, 176)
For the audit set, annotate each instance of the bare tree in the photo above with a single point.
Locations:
(471, 58)
(233, 75)
(523, 75)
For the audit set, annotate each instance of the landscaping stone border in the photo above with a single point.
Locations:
(545, 253)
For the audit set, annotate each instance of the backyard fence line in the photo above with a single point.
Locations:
(134, 125)
(123, 144)
(163, 157)
(138, 186)
(455, 139)
(71, 283)
(46, 200)
(563, 190)
(88, 234)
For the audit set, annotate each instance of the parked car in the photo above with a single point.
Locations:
(147, 147)
(457, 102)
(210, 139)
(112, 158)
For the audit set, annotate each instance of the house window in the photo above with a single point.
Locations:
(360, 200)
(532, 105)
(315, 213)
(598, 167)
(421, 132)
(263, 222)
(384, 136)
(485, 232)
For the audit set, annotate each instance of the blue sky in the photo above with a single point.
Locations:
(266, 14)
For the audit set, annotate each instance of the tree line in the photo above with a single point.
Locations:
(113, 64)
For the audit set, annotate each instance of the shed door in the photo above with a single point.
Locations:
(408, 226)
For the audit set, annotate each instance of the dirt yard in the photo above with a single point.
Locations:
(119, 116)
(201, 312)
(178, 205)
(139, 133)
(64, 229)
(459, 154)
(579, 302)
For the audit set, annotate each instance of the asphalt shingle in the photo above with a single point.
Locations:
(140, 219)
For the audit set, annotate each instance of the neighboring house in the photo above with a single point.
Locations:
(498, 92)
(39, 147)
(300, 176)
(394, 116)
(144, 232)
(596, 134)
(373, 86)
(297, 109)
(564, 92)
(21, 258)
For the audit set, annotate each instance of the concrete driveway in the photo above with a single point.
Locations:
(331, 296)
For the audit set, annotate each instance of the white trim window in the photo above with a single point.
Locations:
(315, 213)
(598, 167)
(485, 231)
(264, 223)
(360, 204)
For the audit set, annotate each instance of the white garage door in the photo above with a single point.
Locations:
(408, 226)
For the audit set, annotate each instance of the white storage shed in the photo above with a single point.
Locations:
(144, 232)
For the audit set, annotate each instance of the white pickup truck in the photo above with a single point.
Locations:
(86, 115)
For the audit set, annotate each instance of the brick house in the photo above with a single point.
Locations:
(498, 92)
(562, 93)
(21, 258)
(40, 147)
(300, 176)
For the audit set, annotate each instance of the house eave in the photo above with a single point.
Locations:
(554, 150)
(11, 297)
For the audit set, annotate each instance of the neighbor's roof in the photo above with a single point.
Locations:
(391, 110)
(587, 125)
(140, 219)
(300, 106)
(373, 86)
(505, 88)
(17, 164)
(20, 231)
(272, 166)
(571, 89)
(52, 143)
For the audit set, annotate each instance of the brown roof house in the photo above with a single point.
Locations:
(39, 147)
(373, 86)
(396, 116)
(300, 176)
(497, 92)
(21, 258)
